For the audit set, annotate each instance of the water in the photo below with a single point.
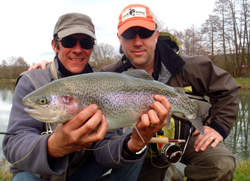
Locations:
(6, 94)
(238, 141)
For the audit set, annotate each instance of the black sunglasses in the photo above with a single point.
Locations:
(70, 42)
(143, 33)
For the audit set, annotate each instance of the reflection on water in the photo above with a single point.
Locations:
(6, 91)
(6, 94)
(238, 140)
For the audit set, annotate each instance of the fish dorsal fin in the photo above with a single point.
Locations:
(180, 90)
(139, 73)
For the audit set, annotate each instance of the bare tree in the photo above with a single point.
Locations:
(192, 41)
(245, 19)
(160, 24)
(19, 66)
(3, 69)
(103, 54)
(12, 68)
(209, 30)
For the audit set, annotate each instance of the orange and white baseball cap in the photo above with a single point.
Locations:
(136, 15)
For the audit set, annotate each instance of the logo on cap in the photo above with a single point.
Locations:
(134, 12)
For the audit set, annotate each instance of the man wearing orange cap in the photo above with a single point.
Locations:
(206, 157)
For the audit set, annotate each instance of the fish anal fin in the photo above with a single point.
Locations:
(125, 129)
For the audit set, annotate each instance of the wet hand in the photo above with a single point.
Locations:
(77, 133)
(211, 137)
(150, 123)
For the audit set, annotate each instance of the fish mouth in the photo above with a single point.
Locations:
(31, 110)
(38, 115)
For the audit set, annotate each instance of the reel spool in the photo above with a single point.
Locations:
(171, 153)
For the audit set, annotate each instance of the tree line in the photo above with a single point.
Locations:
(12, 67)
(224, 37)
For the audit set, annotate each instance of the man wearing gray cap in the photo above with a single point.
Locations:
(58, 152)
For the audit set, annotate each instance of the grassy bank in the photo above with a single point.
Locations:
(242, 171)
(243, 82)
(5, 175)
(7, 80)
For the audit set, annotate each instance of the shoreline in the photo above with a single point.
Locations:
(244, 83)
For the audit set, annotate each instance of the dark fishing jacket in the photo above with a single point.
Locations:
(200, 76)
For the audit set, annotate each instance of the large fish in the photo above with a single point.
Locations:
(122, 97)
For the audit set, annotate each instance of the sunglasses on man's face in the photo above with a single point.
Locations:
(143, 33)
(70, 42)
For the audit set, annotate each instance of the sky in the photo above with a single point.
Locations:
(27, 26)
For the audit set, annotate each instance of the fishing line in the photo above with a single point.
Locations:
(44, 134)
(25, 156)
(151, 157)
(107, 144)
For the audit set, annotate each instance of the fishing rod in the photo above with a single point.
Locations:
(8, 133)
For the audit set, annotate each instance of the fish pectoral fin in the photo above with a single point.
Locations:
(125, 129)
(138, 73)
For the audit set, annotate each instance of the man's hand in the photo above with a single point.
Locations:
(211, 137)
(150, 123)
(41, 64)
(77, 133)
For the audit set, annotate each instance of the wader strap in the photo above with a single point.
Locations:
(53, 70)
(36, 85)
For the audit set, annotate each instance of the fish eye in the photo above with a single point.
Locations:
(43, 101)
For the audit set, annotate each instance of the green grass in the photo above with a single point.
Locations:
(241, 173)
(5, 175)
(243, 82)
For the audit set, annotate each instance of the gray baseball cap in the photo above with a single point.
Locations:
(74, 23)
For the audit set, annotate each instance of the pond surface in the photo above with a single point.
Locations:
(238, 141)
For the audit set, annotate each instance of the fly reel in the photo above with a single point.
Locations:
(171, 153)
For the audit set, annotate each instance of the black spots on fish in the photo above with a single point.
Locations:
(180, 90)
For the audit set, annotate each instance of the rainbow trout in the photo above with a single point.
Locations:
(122, 98)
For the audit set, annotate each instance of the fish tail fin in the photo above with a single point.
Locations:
(139, 133)
(203, 108)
